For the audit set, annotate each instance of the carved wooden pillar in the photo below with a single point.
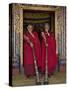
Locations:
(21, 39)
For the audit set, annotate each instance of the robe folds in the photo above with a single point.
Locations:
(29, 68)
(51, 53)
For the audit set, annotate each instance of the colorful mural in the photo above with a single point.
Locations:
(61, 35)
(16, 36)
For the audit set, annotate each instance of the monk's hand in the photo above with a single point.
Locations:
(31, 44)
(43, 35)
(48, 34)
(26, 38)
(46, 45)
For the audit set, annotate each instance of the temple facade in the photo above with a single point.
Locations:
(23, 14)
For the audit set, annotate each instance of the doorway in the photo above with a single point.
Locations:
(38, 18)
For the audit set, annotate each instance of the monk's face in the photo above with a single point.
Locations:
(30, 28)
(46, 27)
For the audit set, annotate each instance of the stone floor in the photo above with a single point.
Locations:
(21, 80)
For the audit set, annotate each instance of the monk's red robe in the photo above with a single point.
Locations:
(28, 54)
(52, 58)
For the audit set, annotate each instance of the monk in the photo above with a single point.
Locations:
(31, 40)
(48, 40)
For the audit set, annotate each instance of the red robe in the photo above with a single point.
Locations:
(52, 58)
(28, 54)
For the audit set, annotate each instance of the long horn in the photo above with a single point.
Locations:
(46, 68)
(36, 68)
